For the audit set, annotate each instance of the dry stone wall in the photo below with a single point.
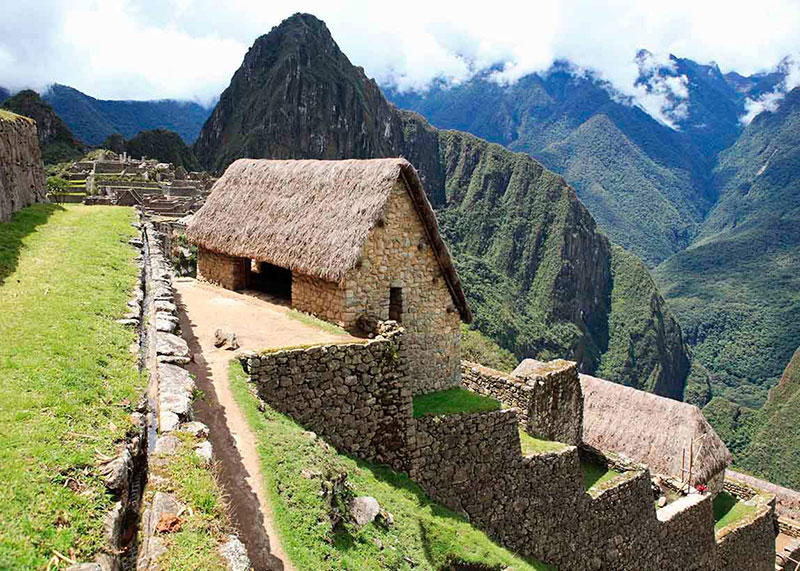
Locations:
(549, 402)
(319, 297)
(225, 271)
(355, 395)
(22, 179)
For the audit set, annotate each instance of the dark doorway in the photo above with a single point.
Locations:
(271, 279)
(396, 304)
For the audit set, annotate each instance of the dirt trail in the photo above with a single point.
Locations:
(259, 324)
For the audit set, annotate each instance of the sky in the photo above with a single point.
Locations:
(189, 49)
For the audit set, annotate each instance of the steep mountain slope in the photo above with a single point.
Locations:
(4, 94)
(774, 451)
(542, 280)
(645, 183)
(737, 289)
(95, 119)
(56, 141)
(166, 146)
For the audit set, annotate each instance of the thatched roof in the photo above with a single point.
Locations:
(311, 216)
(650, 429)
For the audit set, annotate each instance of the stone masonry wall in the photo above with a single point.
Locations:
(549, 401)
(750, 545)
(319, 297)
(396, 254)
(22, 180)
(225, 271)
(354, 395)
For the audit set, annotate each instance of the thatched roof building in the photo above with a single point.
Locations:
(312, 216)
(651, 429)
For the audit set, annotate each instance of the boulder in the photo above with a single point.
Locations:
(364, 509)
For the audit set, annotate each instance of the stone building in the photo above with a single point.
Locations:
(671, 437)
(348, 241)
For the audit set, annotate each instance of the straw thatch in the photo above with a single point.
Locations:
(650, 429)
(311, 216)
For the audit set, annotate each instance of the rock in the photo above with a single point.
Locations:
(368, 323)
(363, 509)
(168, 421)
(220, 337)
(85, 567)
(167, 446)
(163, 503)
(162, 305)
(232, 342)
(195, 428)
(166, 325)
(115, 473)
(235, 553)
(386, 518)
(310, 473)
(204, 451)
(173, 346)
(662, 501)
(169, 523)
(128, 322)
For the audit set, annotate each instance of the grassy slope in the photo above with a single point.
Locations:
(478, 348)
(774, 450)
(729, 510)
(595, 475)
(68, 376)
(424, 536)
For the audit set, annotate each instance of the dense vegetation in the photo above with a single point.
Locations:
(69, 379)
(56, 141)
(159, 144)
(295, 465)
(92, 120)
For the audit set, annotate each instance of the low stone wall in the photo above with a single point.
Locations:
(355, 395)
(549, 401)
(749, 545)
(787, 500)
(225, 271)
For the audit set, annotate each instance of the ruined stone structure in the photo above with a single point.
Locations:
(354, 395)
(345, 241)
(22, 180)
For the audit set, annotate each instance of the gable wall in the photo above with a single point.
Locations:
(397, 254)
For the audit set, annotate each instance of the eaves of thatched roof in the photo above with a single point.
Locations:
(312, 216)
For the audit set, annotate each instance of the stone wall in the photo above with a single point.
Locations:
(225, 271)
(22, 179)
(319, 297)
(749, 545)
(549, 400)
(354, 395)
(397, 255)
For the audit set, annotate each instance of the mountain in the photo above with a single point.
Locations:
(645, 184)
(4, 94)
(56, 141)
(648, 185)
(95, 119)
(774, 451)
(541, 278)
(166, 146)
(736, 289)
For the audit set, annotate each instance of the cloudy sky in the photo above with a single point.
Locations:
(188, 49)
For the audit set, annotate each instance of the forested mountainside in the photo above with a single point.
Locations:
(161, 144)
(542, 280)
(4, 94)
(92, 120)
(737, 289)
(56, 141)
(647, 185)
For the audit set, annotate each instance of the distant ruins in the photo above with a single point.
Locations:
(162, 189)
(22, 180)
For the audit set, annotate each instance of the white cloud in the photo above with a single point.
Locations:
(190, 48)
(771, 100)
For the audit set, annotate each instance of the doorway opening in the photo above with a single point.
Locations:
(271, 279)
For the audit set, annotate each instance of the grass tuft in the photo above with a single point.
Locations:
(729, 510)
(595, 475)
(533, 445)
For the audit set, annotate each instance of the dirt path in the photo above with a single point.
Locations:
(258, 324)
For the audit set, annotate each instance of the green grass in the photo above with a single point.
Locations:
(69, 380)
(532, 445)
(729, 510)
(453, 401)
(196, 545)
(424, 535)
(478, 348)
(595, 475)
